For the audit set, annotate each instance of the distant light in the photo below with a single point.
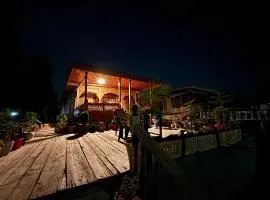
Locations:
(76, 112)
(101, 81)
(13, 114)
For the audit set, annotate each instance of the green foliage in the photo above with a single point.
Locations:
(31, 117)
(61, 119)
(194, 108)
(9, 129)
(220, 99)
(221, 114)
(4, 114)
(159, 94)
(217, 114)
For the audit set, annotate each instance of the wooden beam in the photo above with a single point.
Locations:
(85, 91)
(129, 95)
(119, 91)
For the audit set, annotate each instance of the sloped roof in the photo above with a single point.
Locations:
(77, 71)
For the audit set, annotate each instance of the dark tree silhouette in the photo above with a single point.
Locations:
(29, 87)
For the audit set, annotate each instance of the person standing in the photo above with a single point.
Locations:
(135, 120)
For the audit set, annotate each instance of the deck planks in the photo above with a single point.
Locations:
(114, 155)
(79, 171)
(52, 164)
(23, 167)
(11, 163)
(100, 169)
(25, 186)
(113, 142)
(107, 163)
(49, 182)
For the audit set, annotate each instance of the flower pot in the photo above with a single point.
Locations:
(61, 129)
(6, 148)
(17, 144)
(29, 136)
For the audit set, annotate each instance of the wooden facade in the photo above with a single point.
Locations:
(174, 106)
(102, 92)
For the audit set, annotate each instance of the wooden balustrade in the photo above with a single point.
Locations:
(156, 153)
(102, 106)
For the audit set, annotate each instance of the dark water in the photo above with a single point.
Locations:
(224, 173)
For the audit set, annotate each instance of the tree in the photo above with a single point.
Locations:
(220, 99)
(221, 112)
(158, 95)
(193, 108)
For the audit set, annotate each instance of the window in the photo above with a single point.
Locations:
(164, 106)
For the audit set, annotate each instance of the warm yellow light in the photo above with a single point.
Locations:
(100, 81)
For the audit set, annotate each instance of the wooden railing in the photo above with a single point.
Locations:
(153, 154)
(148, 159)
(103, 106)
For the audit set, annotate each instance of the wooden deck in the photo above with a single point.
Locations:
(50, 163)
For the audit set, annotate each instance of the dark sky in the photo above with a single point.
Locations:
(194, 42)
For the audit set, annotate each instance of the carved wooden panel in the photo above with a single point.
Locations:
(230, 137)
(174, 148)
(200, 143)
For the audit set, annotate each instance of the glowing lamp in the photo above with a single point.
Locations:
(101, 81)
(13, 114)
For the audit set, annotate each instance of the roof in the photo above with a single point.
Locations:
(77, 71)
(184, 88)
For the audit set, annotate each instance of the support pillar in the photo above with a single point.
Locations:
(85, 92)
(245, 114)
(231, 115)
(151, 88)
(119, 92)
(129, 95)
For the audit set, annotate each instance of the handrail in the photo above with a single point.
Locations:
(165, 160)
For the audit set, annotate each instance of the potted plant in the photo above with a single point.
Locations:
(7, 141)
(61, 125)
(29, 127)
(6, 147)
(16, 131)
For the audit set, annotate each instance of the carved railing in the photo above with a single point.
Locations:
(103, 106)
(154, 153)
(149, 158)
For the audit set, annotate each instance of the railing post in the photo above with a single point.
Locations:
(183, 145)
(218, 140)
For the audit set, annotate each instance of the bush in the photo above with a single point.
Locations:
(31, 117)
(84, 117)
(61, 119)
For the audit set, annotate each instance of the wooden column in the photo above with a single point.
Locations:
(251, 115)
(151, 88)
(129, 95)
(85, 92)
(231, 115)
(119, 92)
(160, 122)
(245, 113)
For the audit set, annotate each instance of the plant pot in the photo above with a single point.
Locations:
(71, 129)
(17, 144)
(6, 148)
(62, 129)
(30, 135)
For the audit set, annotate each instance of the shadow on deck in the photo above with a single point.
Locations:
(99, 190)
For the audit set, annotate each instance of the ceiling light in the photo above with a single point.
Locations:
(100, 81)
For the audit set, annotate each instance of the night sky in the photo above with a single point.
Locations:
(187, 43)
